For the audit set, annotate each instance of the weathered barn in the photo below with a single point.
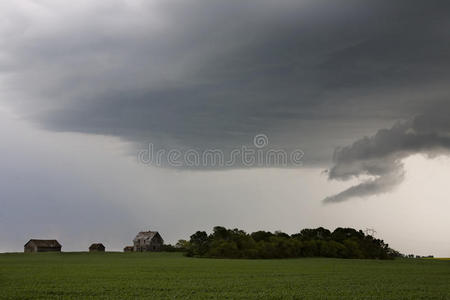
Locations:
(34, 245)
(148, 241)
(97, 247)
(128, 249)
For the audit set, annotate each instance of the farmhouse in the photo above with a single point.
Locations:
(34, 245)
(148, 241)
(98, 247)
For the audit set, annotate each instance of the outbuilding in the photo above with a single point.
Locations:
(97, 247)
(35, 245)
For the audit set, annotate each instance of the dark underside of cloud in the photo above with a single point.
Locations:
(311, 75)
(380, 156)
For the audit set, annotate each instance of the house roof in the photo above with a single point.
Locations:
(147, 235)
(45, 243)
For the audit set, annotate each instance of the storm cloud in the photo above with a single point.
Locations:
(85, 86)
(380, 156)
(311, 75)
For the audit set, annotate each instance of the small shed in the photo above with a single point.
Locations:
(35, 245)
(97, 247)
(128, 249)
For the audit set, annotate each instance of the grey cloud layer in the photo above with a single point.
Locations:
(310, 74)
(380, 156)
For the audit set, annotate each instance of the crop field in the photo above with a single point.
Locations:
(171, 275)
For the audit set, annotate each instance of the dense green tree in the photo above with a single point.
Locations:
(261, 235)
(314, 234)
(318, 242)
(198, 244)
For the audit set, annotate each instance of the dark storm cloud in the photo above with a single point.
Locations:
(310, 74)
(381, 155)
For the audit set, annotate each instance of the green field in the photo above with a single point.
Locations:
(171, 275)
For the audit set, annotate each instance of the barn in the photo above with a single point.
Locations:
(35, 245)
(148, 241)
(97, 247)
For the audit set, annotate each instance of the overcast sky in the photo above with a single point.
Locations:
(359, 87)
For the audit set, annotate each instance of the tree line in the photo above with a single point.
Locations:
(318, 242)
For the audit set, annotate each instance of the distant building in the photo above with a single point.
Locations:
(128, 249)
(34, 245)
(148, 241)
(98, 247)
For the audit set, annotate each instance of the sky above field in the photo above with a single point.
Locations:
(274, 115)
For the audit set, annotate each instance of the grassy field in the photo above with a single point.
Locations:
(170, 275)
